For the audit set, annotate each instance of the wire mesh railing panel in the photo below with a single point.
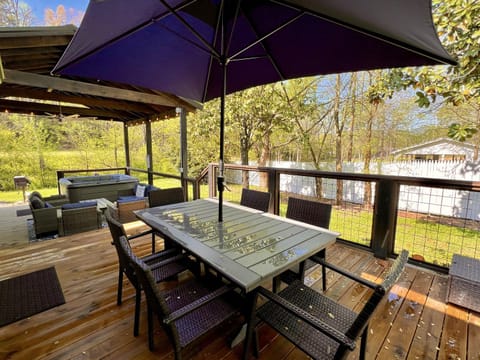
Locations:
(352, 214)
(435, 223)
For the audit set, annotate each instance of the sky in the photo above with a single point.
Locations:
(38, 6)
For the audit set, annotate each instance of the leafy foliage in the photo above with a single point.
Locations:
(459, 29)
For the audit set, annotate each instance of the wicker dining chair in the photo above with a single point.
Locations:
(311, 212)
(159, 197)
(164, 264)
(321, 327)
(188, 311)
(255, 199)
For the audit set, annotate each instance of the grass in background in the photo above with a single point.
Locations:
(17, 195)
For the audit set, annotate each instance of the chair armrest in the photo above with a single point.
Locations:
(305, 316)
(348, 274)
(45, 214)
(57, 200)
(163, 253)
(166, 261)
(143, 233)
(197, 304)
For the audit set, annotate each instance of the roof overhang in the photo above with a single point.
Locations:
(28, 54)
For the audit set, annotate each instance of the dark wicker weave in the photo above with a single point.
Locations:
(319, 326)
(159, 197)
(464, 281)
(313, 213)
(254, 199)
(163, 264)
(80, 220)
(188, 311)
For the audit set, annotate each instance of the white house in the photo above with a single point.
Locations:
(439, 149)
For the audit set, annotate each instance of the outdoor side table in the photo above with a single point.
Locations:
(464, 279)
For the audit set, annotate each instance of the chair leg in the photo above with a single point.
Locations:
(256, 344)
(120, 286)
(321, 254)
(276, 284)
(250, 318)
(301, 271)
(363, 344)
(153, 243)
(151, 345)
(136, 322)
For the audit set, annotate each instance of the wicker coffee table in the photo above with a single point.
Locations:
(464, 279)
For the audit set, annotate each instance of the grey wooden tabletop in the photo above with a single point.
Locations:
(248, 247)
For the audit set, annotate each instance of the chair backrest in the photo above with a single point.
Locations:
(159, 197)
(379, 292)
(117, 231)
(310, 212)
(155, 300)
(255, 199)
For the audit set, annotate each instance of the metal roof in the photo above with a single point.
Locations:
(28, 54)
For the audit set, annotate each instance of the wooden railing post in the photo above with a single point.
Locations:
(212, 189)
(60, 174)
(274, 189)
(385, 217)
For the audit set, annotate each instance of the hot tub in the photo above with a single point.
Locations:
(109, 187)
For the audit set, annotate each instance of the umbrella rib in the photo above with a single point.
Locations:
(263, 45)
(194, 32)
(371, 34)
(260, 40)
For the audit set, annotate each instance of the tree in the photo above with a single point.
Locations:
(15, 13)
(459, 29)
(62, 16)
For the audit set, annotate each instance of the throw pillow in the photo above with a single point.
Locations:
(37, 203)
(140, 191)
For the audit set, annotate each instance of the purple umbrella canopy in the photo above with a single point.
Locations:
(204, 49)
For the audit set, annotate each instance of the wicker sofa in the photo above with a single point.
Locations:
(55, 215)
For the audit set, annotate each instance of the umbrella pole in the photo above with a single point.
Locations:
(220, 179)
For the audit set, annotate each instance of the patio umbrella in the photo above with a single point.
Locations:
(203, 49)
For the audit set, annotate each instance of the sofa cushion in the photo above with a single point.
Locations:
(37, 203)
(79, 205)
(124, 199)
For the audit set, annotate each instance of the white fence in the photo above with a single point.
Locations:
(445, 202)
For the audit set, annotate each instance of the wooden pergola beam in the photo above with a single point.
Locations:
(49, 82)
(24, 107)
(42, 94)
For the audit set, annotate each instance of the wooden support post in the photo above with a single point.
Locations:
(148, 138)
(385, 217)
(126, 146)
(183, 149)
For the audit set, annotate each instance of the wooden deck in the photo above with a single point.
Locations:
(414, 323)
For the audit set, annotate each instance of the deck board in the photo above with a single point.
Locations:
(413, 323)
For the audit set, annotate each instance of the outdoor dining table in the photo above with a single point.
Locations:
(249, 247)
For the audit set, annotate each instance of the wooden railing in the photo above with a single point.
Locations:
(400, 208)
(376, 212)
